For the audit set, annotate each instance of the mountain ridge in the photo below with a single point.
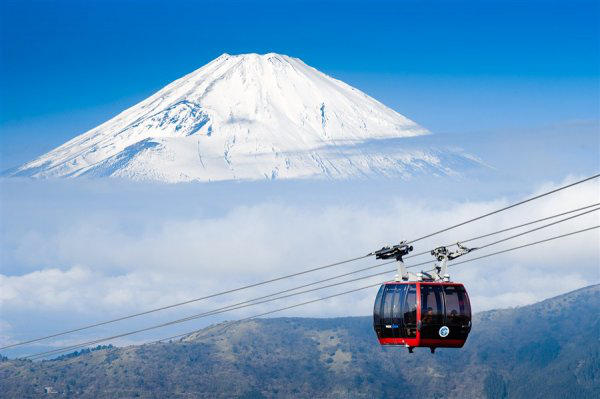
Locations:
(543, 350)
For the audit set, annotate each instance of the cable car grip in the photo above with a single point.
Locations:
(395, 252)
(443, 256)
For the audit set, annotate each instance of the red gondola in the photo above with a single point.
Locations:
(422, 314)
(430, 311)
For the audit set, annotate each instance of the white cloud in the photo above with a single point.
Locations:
(101, 262)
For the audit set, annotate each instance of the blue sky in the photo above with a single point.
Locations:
(470, 69)
(514, 82)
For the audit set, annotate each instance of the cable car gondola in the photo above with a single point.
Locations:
(423, 310)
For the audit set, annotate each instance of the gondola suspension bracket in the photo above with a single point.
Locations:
(443, 255)
(395, 252)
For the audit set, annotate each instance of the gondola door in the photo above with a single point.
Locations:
(410, 312)
(398, 311)
(391, 312)
(458, 312)
(432, 311)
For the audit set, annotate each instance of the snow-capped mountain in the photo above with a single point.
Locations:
(246, 116)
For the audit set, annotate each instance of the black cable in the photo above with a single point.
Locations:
(300, 304)
(44, 354)
(529, 223)
(408, 267)
(507, 229)
(454, 264)
(182, 303)
(524, 245)
(505, 208)
(246, 303)
(240, 305)
(343, 275)
(536, 229)
(286, 276)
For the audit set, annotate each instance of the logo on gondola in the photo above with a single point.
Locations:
(444, 331)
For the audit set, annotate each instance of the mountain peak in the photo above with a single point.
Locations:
(254, 55)
(246, 116)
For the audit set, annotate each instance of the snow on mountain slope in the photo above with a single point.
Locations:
(245, 117)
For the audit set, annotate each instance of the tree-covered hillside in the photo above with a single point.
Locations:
(547, 350)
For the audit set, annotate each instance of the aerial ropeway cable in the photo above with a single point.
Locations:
(505, 208)
(510, 228)
(184, 302)
(317, 282)
(387, 272)
(328, 279)
(444, 332)
(427, 341)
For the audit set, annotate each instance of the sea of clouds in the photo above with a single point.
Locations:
(81, 251)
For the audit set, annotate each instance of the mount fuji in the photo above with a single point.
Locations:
(248, 117)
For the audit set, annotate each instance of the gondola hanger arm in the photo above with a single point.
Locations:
(440, 272)
(396, 252)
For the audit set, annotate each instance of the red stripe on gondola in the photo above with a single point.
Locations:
(437, 343)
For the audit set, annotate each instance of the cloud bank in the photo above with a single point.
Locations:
(74, 253)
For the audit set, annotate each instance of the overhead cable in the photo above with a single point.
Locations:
(349, 273)
(505, 208)
(183, 303)
(391, 271)
(234, 307)
(508, 229)
(293, 274)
